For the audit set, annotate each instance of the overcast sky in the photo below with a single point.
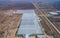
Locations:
(32, 0)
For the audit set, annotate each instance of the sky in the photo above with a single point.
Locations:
(32, 0)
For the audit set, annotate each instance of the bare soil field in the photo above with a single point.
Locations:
(9, 23)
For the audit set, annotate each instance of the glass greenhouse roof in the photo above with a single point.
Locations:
(29, 23)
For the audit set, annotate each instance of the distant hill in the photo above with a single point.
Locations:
(16, 5)
(45, 5)
(54, 5)
(5, 5)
